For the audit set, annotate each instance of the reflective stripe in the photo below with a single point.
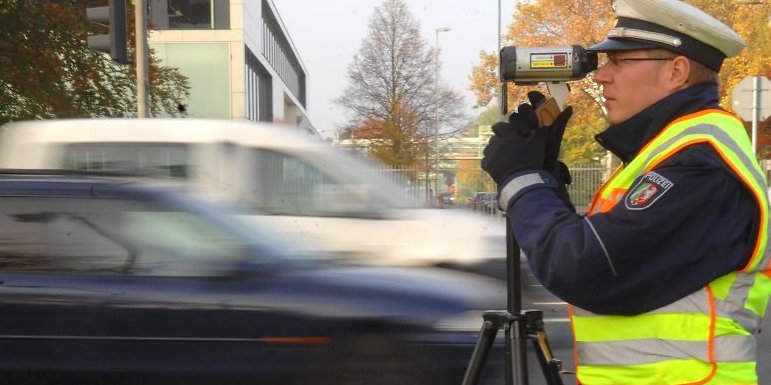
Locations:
(516, 185)
(732, 292)
(706, 127)
(757, 300)
(708, 130)
(734, 156)
(697, 302)
(645, 35)
(602, 245)
(684, 342)
(628, 353)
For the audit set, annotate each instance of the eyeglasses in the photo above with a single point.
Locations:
(617, 60)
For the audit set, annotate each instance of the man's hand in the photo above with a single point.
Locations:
(551, 158)
(521, 143)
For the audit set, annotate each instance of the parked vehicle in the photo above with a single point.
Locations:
(108, 280)
(308, 188)
(447, 199)
(485, 201)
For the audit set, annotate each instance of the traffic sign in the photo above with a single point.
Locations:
(752, 94)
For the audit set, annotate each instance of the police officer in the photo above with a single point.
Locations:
(668, 273)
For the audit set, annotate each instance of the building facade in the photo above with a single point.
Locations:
(238, 57)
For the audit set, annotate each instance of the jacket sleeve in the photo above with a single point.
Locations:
(636, 258)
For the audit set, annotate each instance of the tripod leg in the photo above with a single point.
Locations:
(550, 366)
(519, 328)
(493, 321)
(516, 352)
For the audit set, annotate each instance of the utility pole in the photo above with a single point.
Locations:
(436, 111)
(140, 17)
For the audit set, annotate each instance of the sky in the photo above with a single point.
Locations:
(327, 34)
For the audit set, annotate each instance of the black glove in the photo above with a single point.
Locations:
(562, 174)
(519, 144)
(551, 161)
(516, 145)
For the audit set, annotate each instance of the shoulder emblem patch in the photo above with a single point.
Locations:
(647, 191)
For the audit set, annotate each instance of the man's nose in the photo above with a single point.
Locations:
(602, 74)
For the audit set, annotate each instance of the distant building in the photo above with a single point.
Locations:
(451, 149)
(238, 56)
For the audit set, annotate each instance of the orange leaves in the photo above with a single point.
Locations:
(542, 23)
(559, 22)
(49, 72)
(484, 78)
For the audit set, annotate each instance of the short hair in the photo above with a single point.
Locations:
(699, 74)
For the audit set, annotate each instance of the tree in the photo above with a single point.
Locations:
(554, 23)
(489, 116)
(49, 71)
(391, 79)
(586, 22)
(471, 178)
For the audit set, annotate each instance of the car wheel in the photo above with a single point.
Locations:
(371, 359)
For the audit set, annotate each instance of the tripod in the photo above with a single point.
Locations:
(519, 327)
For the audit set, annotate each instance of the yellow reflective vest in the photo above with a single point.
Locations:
(706, 337)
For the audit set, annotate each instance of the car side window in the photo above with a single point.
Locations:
(108, 236)
(180, 243)
(166, 160)
(46, 238)
(288, 185)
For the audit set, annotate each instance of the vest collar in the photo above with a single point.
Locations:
(627, 138)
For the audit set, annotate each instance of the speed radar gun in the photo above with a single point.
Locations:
(554, 66)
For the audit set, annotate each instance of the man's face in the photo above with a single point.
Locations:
(631, 81)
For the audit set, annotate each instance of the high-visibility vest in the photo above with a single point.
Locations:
(706, 337)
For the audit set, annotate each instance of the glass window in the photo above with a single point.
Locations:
(179, 243)
(190, 14)
(288, 185)
(207, 67)
(156, 159)
(113, 237)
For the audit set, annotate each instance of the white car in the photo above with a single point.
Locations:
(305, 186)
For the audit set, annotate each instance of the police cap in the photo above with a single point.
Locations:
(672, 25)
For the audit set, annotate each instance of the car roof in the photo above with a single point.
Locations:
(33, 144)
(157, 130)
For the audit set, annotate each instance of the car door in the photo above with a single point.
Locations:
(120, 286)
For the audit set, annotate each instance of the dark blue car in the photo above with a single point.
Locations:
(108, 280)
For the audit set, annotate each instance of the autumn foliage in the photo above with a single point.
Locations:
(585, 22)
(49, 71)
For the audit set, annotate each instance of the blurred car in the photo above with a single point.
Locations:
(447, 199)
(109, 280)
(308, 188)
(484, 201)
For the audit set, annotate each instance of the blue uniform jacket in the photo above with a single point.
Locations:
(633, 261)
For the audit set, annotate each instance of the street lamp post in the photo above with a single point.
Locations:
(499, 27)
(436, 111)
(142, 65)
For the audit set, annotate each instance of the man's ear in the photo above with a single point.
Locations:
(680, 71)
